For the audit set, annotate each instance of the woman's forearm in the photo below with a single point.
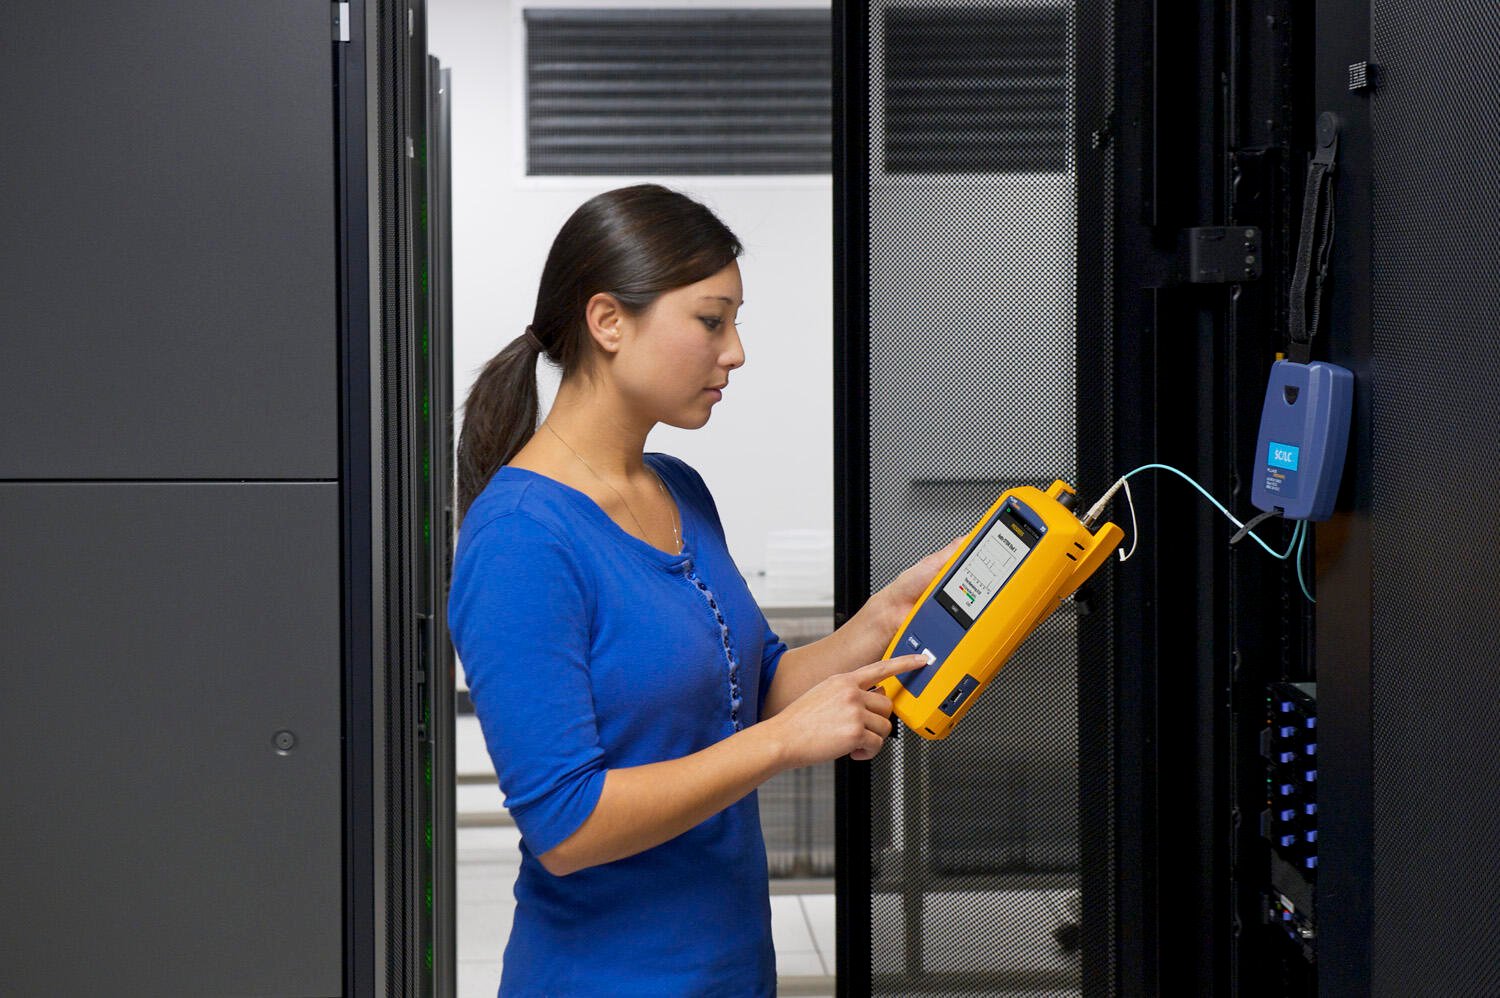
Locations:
(861, 640)
(644, 806)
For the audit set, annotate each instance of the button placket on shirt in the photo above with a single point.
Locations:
(735, 693)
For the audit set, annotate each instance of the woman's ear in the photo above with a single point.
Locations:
(604, 314)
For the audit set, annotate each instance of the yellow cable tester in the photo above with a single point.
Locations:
(1028, 554)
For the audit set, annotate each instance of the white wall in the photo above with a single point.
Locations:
(767, 453)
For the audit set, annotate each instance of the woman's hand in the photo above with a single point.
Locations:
(842, 715)
(864, 637)
(896, 600)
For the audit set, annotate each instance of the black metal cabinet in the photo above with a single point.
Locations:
(170, 260)
(173, 740)
(1406, 629)
(225, 501)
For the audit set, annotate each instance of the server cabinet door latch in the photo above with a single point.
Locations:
(1220, 254)
(341, 22)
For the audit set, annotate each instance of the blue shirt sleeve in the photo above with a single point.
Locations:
(519, 612)
(770, 658)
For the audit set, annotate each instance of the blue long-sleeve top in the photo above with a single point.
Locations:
(587, 649)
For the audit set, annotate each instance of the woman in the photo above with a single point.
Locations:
(629, 689)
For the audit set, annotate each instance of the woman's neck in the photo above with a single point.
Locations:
(599, 430)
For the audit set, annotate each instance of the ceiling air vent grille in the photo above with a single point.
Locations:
(676, 91)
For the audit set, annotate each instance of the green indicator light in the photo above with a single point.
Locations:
(429, 895)
(427, 531)
(424, 278)
(426, 405)
(429, 956)
(429, 835)
(429, 772)
(426, 469)
(424, 339)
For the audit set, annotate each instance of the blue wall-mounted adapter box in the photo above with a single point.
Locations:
(1304, 431)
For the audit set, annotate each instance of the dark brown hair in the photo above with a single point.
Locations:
(634, 243)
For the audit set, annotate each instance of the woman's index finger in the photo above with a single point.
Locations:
(869, 675)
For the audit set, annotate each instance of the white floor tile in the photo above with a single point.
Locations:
(798, 963)
(483, 928)
(480, 838)
(478, 978)
(788, 926)
(486, 884)
(499, 843)
(469, 752)
(819, 909)
(478, 798)
(488, 861)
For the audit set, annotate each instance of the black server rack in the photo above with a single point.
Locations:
(1406, 629)
(1274, 796)
(224, 501)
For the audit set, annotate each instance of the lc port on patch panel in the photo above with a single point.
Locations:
(1288, 744)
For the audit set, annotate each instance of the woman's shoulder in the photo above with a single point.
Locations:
(512, 545)
(688, 484)
(679, 472)
(513, 507)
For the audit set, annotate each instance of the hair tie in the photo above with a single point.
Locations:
(531, 338)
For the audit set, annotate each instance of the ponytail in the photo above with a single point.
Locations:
(499, 416)
(634, 244)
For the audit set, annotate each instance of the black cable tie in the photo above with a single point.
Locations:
(1252, 524)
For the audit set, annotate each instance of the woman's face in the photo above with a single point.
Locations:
(675, 357)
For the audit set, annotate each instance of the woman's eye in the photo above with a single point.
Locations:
(711, 321)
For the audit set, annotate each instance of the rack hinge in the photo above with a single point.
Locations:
(422, 676)
(341, 22)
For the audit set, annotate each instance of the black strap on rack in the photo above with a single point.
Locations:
(1252, 524)
(1315, 241)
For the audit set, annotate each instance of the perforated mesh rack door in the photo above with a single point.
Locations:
(1436, 284)
(988, 359)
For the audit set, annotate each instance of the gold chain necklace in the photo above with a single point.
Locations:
(676, 529)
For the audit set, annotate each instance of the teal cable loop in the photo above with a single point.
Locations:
(1296, 533)
(1301, 540)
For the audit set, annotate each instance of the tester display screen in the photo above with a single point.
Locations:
(988, 565)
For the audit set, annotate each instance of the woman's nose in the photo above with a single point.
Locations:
(734, 353)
